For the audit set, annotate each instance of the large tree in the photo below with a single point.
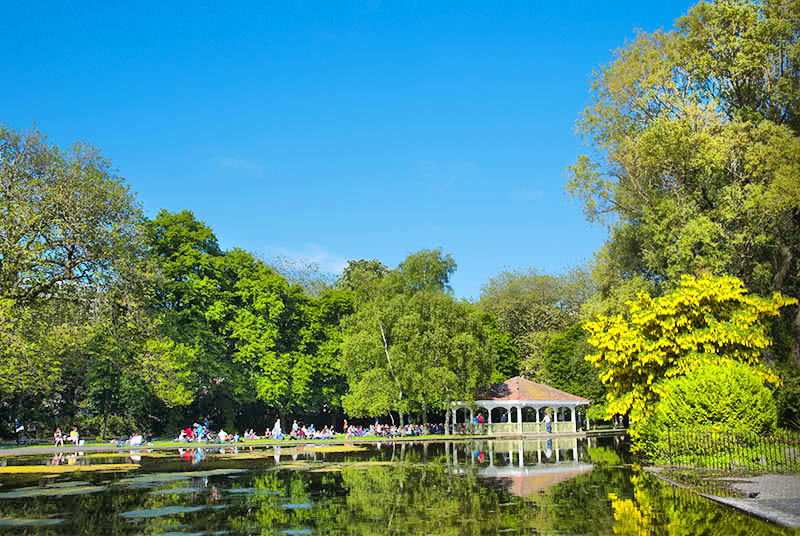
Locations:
(532, 307)
(409, 346)
(710, 320)
(74, 283)
(257, 340)
(68, 219)
(695, 157)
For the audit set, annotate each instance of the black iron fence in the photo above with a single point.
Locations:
(778, 452)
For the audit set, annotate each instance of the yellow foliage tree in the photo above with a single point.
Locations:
(705, 320)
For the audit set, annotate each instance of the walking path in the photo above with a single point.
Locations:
(775, 498)
(772, 497)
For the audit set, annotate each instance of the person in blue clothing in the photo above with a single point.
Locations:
(19, 430)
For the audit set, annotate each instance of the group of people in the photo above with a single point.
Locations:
(135, 440)
(200, 433)
(73, 437)
(385, 430)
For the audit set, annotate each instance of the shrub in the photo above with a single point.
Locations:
(727, 396)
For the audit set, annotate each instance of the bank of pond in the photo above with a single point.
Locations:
(565, 485)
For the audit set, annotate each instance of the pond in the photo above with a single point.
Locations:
(562, 486)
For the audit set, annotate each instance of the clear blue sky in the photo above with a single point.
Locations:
(334, 130)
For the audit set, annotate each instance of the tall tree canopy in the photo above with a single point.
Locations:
(532, 307)
(75, 283)
(410, 346)
(68, 220)
(695, 154)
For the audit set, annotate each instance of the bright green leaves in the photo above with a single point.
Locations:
(695, 137)
(68, 219)
(409, 346)
(707, 320)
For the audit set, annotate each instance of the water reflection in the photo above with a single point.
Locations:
(522, 467)
(447, 488)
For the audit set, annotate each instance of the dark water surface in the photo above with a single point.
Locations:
(565, 486)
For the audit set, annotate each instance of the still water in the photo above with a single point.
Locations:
(564, 486)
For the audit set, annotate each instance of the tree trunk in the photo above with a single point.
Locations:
(796, 338)
(105, 416)
(401, 419)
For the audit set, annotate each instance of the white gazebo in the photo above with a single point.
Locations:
(519, 394)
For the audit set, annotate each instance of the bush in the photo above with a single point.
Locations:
(727, 396)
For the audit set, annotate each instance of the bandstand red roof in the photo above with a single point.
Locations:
(519, 388)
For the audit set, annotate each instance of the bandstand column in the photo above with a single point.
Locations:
(519, 419)
(574, 414)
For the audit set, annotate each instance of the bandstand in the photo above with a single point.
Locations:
(530, 402)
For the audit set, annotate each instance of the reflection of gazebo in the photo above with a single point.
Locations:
(525, 481)
(519, 393)
(522, 467)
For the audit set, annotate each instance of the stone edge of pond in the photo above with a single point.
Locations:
(34, 451)
(752, 507)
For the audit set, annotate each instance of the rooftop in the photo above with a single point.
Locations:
(519, 388)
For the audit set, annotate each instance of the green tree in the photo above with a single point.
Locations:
(427, 269)
(410, 346)
(69, 231)
(256, 338)
(566, 366)
(696, 156)
(68, 219)
(710, 320)
(532, 307)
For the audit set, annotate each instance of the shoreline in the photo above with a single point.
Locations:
(172, 445)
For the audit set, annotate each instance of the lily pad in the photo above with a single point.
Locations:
(336, 448)
(50, 491)
(176, 491)
(28, 522)
(158, 512)
(297, 506)
(253, 491)
(154, 478)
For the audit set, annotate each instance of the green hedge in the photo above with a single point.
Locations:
(729, 396)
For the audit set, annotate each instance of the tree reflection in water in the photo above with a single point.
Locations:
(443, 489)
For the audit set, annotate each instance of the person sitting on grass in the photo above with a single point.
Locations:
(58, 438)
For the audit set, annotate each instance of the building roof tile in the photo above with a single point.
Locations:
(519, 388)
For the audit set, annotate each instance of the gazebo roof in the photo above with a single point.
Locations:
(519, 388)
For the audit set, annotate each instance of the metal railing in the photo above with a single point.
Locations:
(777, 452)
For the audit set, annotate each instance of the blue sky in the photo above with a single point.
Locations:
(334, 130)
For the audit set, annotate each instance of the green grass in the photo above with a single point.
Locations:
(160, 443)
